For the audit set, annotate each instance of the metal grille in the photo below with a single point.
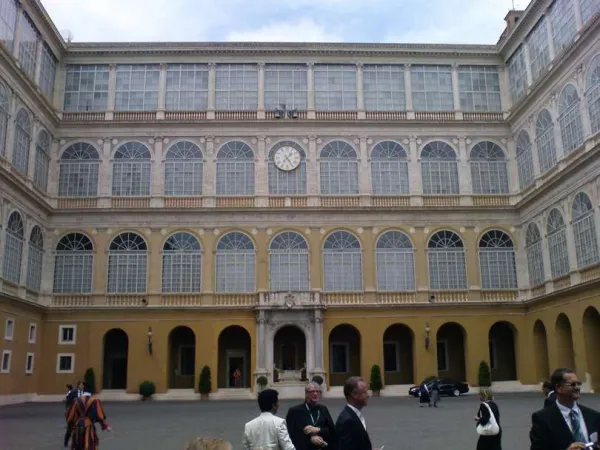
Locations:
(524, 160)
(535, 258)
(182, 264)
(74, 265)
(564, 27)
(22, 141)
(489, 173)
(13, 248)
(432, 88)
(539, 50)
(236, 87)
(183, 170)
(497, 261)
(571, 129)
(4, 114)
(28, 40)
(593, 93)
(187, 87)
(86, 87)
(439, 169)
(335, 87)
(236, 264)
(389, 169)
(131, 170)
(42, 161)
(137, 87)
(286, 85)
(342, 263)
(557, 244)
(584, 231)
(35, 259)
(544, 138)
(517, 74)
(79, 171)
(339, 169)
(384, 87)
(235, 169)
(447, 264)
(288, 263)
(479, 88)
(395, 263)
(292, 182)
(127, 264)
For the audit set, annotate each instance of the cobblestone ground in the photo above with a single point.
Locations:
(398, 423)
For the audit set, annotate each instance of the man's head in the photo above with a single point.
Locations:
(268, 401)
(566, 385)
(356, 392)
(80, 384)
(312, 393)
(546, 387)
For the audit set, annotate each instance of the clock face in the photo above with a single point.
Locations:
(287, 158)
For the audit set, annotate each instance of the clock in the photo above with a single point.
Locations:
(287, 158)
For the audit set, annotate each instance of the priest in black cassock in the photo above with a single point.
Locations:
(310, 425)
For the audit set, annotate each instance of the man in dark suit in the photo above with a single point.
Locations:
(564, 425)
(549, 394)
(310, 425)
(351, 427)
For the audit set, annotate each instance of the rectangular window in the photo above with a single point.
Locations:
(29, 360)
(335, 87)
(588, 9)
(286, 85)
(517, 75)
(67, 334)
(48, 72)
(187, 87)
(137, 87)
(564, 27)
(391, 357)
(32, 336)
(28, 45)
(492, 350)
(8, 21)
(442, 356)
(340, 358)
(539, 51)
(432, 88)
(236, 87)
(6, 358)
(9, 329)
(65, 363)
(479, 88)
(383, 87)
(86, 87)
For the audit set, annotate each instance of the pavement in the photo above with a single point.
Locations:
(397, 423)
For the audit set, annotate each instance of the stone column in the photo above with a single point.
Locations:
(157, 182)
(505, 98)
(464, 170)
(105, 173)
(212, 85)
(210, 173)
(571, 246)
(261, 91)
(112, 91)
(545, 253)
(261, 188)
(521, 261)
(310, 82)
(512, 169)
(261, 321)
(549, 34)
(162, 92)
(414, 171)
(456, 91)
(54, 170)
(38, 60)
(312, 171)
(364, 175)
(408, 92)
(360, 92)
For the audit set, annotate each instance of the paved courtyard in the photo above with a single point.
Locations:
(396, 422)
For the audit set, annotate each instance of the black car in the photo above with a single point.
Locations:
(447, 387)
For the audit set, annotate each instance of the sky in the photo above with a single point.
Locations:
(398, 21)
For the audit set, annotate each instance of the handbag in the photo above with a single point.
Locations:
(491, 428)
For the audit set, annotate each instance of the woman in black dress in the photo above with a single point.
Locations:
(483, 417)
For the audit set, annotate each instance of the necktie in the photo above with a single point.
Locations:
(576, 427)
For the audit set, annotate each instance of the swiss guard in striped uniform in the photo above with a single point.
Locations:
(82, 416)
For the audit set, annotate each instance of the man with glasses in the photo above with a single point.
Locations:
(565, 425)
(310, 425)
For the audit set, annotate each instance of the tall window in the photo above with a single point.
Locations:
(562, 18)
(342, 263)
(569, 118)
(35, 259)
(184, 170)
(137, 87)
(539, 50)
(74, 264)
(236, 87)
(181, 263)
(8, 21)
(535, 258)
(79, 165)
(339, 169)
(22, 142)
(395, 262)
(497, 261)
(4, 115)
(288, 263)
(557, 244)
(48, 72)
(432, 88)
(544, 139)
(236, 265)
(42, 161)
(439, 169)
(28, 45)
(286, 85)
(235, 169)
(524, 160)
(389, 169)
(384, 87)
(588, 9)
(131, 170)
(335, 87)
(13, 248)
(447, 265)
(489, 173)
(479, 88)
(86, 87)
(517, 75)
(187, 87)
(127, 264)
(593, 93)
(292, 182)
(584, 231)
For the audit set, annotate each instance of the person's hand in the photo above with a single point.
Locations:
(109, 429)
(576, 446)
(476, 418)
(311, 430)
(316, 440)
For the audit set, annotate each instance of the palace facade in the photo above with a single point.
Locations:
(293, 210)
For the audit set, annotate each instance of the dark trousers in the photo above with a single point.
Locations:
(67, 436)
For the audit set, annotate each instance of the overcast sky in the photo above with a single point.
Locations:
(404, 21)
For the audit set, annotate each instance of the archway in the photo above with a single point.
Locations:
(114, 369)
(540, 342)
(450, 348)
(564, 342)
(289, 350)
(182, 358)
(503, 361)
(344, 354)
(591, 334)
(398, 343)
(235, 357)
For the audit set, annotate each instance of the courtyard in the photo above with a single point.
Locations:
(393, 422)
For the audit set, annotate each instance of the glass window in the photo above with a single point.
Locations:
(181, 264)
(335, 87)
(86, 87)
(394, 256)
(390, 357)
(79, 165)
(564, 28)
(235, 169)
(286, 85)
(535, 258)
(131, 171)
(593, 93)
(539, 51)
(236, 263)
(288, 263)
(479, 88)
(74, 264)
(42, 161)
(557, 244)
(127, 264)
(236, 87)
(4, 115)
(517, 75)
(292, 182)
(383, 87)
(13, 248)
(584, 231)
(339, 169)
(489, 172)
(187, 87)
(137, 87)
(544, 139)
(22, 141)
(8, 21)
(48, 72)
(589, 8)
(432, 88)
(569, 119)
(497, 261)
(524, 160)
(447, 265)
(28, 45)
(184, 170)
(342, 263)
(439, 169)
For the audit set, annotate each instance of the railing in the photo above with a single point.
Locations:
(498, 296)
(83, 116)
(183, 202)
(336, 115)
(386, 115)
(134, 116)
(130, 202)
(77, 203)
(235, 202)
(491, 200)
(235, 115)
(441, 200)
(435, 116)
(483, 116)
(381, 201)
(185, 116)
(338, 201)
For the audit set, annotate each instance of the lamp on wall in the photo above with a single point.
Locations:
(150, 340)
(427, 330)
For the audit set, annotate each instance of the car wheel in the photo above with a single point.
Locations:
(456, 392)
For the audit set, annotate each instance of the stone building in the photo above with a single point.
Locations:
(298, 209)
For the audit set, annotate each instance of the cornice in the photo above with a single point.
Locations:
(47, 20)
(524, 22)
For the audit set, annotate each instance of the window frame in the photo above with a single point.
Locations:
(61, 329)
(65, 355)
(346, 346)
(13, 322)
(28, 368)
(32, 326)
(2, 369)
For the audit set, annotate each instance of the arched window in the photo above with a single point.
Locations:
(22, 140)
(183, 170)
(235, 169)
(127, 264)
(182, 263)
(342, 263)
(4, 115)
(557, 244)
(593, 93)
(79, 165)
(395, 262)
(584, 231)
(535, 258)
(74, 264)
(13, 248)
(131, 171)
(544, 139)
(447, 265)
(439, 169)
(288, 262)
(589, 8)
(339, 169)
(488, 169)
(389, 169)
(35, 259)
(524, 160)
(290, 182)
(497, 261)
(569, 119)
(42, 161)
(236, 263)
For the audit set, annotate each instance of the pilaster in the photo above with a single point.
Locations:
(455, 88)
(312, 176)
(364, 167)
(261, 321)
(212, 86)
(262, 259)
(58, 98)
(162, 91)
(318, 355)
(260, 168)
(35, 128)
(464, 169)
(102, 240)
(534, 149)
(38, 61)
(545, 253)
(10, 132)
(521, 262)
(18, 25)
(360, 92)
(527, 66)
(578, 16)
(571, 247)
(310, 81)
(208, 239)
(505, 98)
(414, 172)
(549, 34)
(158, 180)
(154, 263)
(47, 284)
(512, 167)
(104, 171)
(112, 90)
(261, 91)
(315, 237)
(368, 252)
(28, 226)
(408, 90)
(210, 168)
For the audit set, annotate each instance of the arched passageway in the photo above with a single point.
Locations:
(503, 361)
(540, 343)
(591, 334)
(398, 366)
(344, 354)
(116, 352)
(450, 348)
(564, 342)
(182, 358)
(235, 356)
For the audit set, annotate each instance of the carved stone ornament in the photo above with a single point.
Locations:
(289, 301)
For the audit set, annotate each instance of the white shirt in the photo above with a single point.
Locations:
(267, 432)
(359, 414)
(565, 413)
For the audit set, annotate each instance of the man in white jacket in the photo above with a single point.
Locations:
(267, 431)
